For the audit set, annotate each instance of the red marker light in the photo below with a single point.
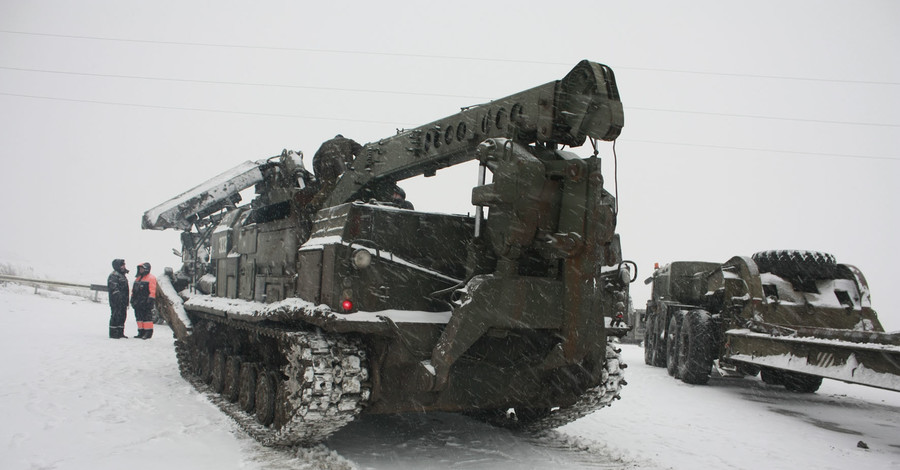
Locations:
(347, 305)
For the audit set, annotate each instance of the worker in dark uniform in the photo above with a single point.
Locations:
(334, 157)
(330, 161)
(117, 287)
(399, 198)
(143, 298)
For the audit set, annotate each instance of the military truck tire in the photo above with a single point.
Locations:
(654, 353)
(694, 344)
(801, 383)
(801, 268)
(648, 345)
(748, 370)
(772, 376)
(650, 340)
(672, 343)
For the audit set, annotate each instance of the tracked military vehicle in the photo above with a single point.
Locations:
(791, 316)
(317, 302)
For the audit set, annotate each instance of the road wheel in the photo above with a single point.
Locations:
(247, 397)
(694, 348)
(205, 366)
(266, 390)
(672, 343)
(218, 371)
(801, 383)
(232, 386)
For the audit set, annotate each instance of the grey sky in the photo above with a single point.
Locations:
(749, 126)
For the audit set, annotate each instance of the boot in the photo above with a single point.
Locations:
(147, 334)
(117, 333)
(140, 333)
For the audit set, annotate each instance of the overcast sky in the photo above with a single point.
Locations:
(748, 126)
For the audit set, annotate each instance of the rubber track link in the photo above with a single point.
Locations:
(321, 386)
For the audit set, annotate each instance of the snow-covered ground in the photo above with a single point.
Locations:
(73, 399)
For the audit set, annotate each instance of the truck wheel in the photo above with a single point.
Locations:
(800, 268)
(772, 376)
(748, 370)
(801, 383)
(659, 347)
(654, 348)
(694, 346)
(649, 345)
(672, 343)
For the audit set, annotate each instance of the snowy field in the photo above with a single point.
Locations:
(73, 399)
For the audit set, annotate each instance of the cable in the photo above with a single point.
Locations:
(616, 174)
(792, 152)
(447, 57)
(615, 170)
(439, 95)
(220, 82)
(319, 118)
(773, 118)
(179, 108)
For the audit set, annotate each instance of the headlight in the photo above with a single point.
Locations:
(361, 259)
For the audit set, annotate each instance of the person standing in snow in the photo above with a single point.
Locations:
(143, 298)
(117, 286)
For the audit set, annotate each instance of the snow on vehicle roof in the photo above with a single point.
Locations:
(293, 307)
(174, 212)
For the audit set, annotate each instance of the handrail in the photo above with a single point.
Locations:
(37, 282)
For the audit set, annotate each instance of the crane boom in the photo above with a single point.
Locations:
(585, 103)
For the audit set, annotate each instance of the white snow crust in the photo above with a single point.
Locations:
(171, 213)
(296, 306)
(74, 399)
(169, 290)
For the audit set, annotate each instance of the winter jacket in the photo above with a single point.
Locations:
(117, 286)
(143, 292)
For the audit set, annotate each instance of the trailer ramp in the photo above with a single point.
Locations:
(861, 357)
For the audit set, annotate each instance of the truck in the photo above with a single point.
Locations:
(315, 303)
(793, 317)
